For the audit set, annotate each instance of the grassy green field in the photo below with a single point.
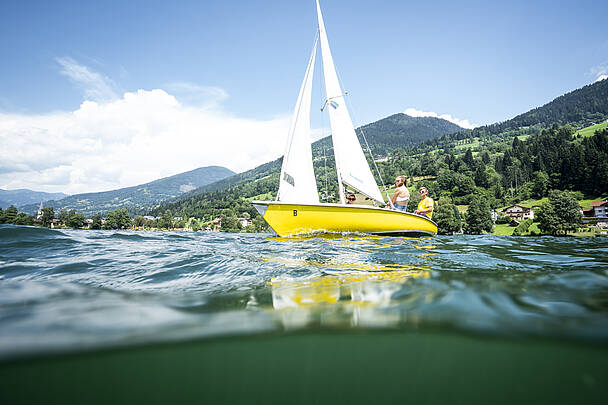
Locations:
(473, 144)
(585, 204)
(506, 230)
(589, 131)
(262, 197)
(503, 230)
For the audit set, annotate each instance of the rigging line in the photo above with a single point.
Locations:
(331, 98)
(370, 154)
(326, 190)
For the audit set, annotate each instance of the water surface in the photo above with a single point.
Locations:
(71, 289)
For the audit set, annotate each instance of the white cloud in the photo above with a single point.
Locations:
(600, 72)
(96, 86)
(412, 112)
(194, 94)
(140, 137)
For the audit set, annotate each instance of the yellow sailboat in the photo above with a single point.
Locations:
(293, 219)
(297, 209)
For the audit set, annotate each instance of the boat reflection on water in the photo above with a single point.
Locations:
(350, 299)
(349, 281)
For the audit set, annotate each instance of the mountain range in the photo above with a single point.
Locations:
(137, 199)
(23, 196)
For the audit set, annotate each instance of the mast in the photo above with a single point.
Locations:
(351, 166)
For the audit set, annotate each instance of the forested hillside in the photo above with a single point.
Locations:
(395, 131)
(503, 163)
(580, 107)
(138, 199)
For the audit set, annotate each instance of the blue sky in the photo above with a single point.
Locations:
(244, 61)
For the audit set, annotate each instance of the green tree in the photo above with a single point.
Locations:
(468, 158)
(259, 225)
(481, 177)
(96, 224)
(457, 216)
(166, 221)
(76, 220)
(230, 224)
(24, 219)
(522, 228)
(118, 219)
(48, 215)
(540, 184)
(139, 221)
(548, 220)
(10, 215)
(412, 205)
(64, 216)
(463, 185)
(560, 214)
(444, 216)
(478, 217)
(196, 226)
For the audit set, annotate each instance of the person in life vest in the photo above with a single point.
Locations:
(401, 196)
(425, 206)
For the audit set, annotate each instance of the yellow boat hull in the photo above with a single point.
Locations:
(292, 219)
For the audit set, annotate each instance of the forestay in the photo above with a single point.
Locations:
(351, 164)
(297, 183)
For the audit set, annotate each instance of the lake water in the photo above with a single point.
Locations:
(457, 315)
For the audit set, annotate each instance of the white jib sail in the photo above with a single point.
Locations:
(297, 183)
(351, 164)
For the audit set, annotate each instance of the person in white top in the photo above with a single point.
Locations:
(401, 196)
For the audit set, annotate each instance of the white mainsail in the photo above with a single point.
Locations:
(351, 164)
(297, 183)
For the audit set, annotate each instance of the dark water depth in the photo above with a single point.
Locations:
(72, 290)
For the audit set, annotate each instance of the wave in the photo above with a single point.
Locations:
(62, 287)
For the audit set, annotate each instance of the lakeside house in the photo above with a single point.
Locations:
(215, 225)
(245, 221)
(519, 212)
(598, 209)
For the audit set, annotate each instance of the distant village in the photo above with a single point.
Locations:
(148, 222)
(518, 213)
(513, 215)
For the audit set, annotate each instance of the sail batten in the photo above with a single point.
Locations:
(297, 183)
(351, 164)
